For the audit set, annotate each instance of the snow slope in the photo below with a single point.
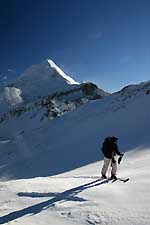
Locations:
(80, 197)
(50, 169)
(74, 139)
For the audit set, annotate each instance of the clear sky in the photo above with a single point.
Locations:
(103, 41)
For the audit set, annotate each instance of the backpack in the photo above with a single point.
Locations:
(106, 143)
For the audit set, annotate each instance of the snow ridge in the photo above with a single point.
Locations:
(66, 77)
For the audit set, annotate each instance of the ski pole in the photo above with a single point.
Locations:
(109, 168)
(119, 161)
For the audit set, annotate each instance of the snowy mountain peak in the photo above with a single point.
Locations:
(68, 79)
(43, 79)
(47, 80)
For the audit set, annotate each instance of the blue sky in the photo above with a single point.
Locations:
(103, 41)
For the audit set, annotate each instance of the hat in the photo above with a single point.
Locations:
(113, 138)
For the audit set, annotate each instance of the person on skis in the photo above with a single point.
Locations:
(110, 150)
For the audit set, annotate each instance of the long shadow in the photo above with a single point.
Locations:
(50, 194)
(36, 194)
(68, 195)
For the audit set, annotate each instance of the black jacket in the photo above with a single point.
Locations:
(110, 149)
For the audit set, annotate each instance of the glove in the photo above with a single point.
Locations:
(113, 160)
(120, 158)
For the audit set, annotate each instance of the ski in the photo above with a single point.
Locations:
(120, 179)
(124, 180)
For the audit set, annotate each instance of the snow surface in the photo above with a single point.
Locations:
(50, 170)
(80, 197)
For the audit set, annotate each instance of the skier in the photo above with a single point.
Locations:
(110, 149)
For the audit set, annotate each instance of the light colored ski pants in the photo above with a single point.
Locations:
(106, 165)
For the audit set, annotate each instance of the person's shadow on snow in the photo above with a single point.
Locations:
(69, 195)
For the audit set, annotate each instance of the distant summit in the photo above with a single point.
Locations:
(43, 79)
(47, 84)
